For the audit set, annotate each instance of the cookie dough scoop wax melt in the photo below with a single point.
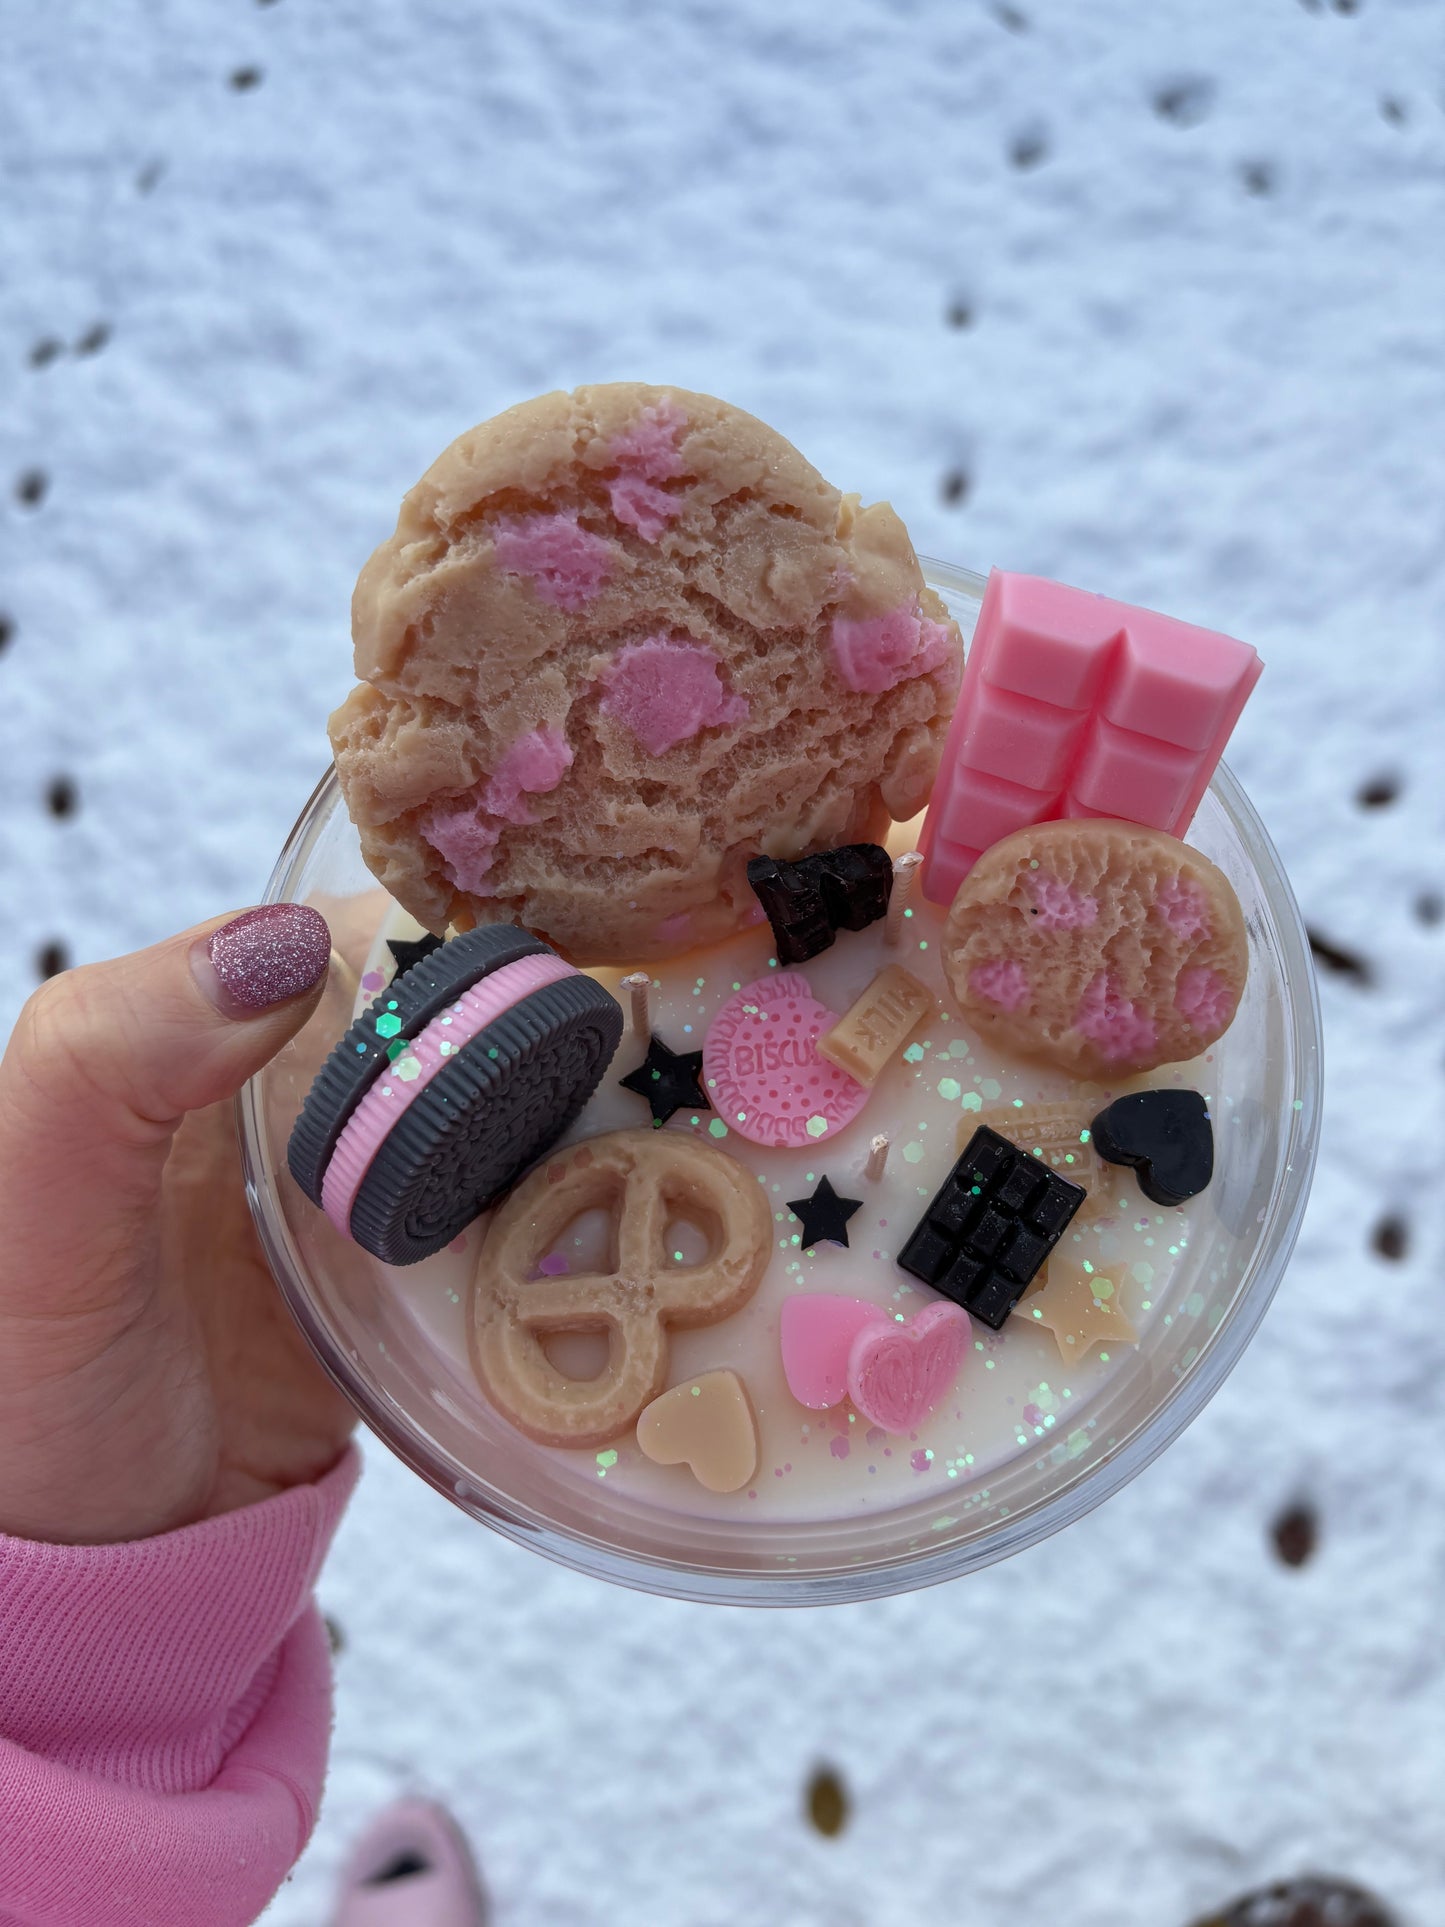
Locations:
(621, 642)
(647, 703)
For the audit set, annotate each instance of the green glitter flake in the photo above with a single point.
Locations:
(387, 1026)
(697, 1391)
(816, 1126)
(677, 1257)
(717, 1128)
(408, 1069)
(971, 1101)
(913, 1153)
(991, 1088)
(914, 1053)
(957, 1048)
(949, 1089)
(605, 1463)
(397, 1049)
(1194, 1303)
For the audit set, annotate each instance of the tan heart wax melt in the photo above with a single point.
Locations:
(706, 1424)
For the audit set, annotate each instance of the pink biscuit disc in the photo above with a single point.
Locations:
(898, 1373)
(398, 1088)
(765, 1078)
(816, 1333)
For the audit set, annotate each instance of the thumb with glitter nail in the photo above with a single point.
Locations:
(150, 1377)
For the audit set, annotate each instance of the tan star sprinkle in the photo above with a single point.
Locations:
(1079, 1307)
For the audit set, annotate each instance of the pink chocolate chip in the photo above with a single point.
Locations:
(532, 764)
(1004, 982)
(1204, 998)
(465, 840)
(1184, 908)
(665, 691)
(765, 1078)
(566, 563)
(1058, 906)
(1120, 1029)
(877, 653)
(647, 455)
(898, 1373)
(816, 1332)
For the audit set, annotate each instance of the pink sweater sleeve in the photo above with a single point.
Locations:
(165, 1708)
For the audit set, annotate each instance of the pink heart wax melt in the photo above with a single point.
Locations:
(897, 1373)
(816, 1331)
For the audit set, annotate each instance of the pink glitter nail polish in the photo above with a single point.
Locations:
(267, 955)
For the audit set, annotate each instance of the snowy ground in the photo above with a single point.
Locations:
(1147, 297)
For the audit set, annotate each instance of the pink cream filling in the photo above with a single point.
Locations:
(567, 564)
(879, 652)
(665, 692)
(409, 1073)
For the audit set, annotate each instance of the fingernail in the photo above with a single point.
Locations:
(266, 956)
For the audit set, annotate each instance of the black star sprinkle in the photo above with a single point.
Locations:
(825, 1215)
(407, 954)
(668, 1080)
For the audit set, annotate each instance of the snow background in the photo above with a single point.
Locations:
(1149, 298)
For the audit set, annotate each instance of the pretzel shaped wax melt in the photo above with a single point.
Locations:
(647, 1180)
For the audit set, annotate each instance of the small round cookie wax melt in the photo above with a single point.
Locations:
(1104, 948)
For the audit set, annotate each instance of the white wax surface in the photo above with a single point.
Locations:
(1015, 1387)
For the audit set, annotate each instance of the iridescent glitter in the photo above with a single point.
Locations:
(268, 955)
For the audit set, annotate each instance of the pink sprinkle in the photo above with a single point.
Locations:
(920, 1460)
(1058, 906)
(1184, 908)
(1032, 1415)
(1003, 982)
(554, 1265)
(876, 1435)
(1120, 1029)
(567, 564)
(879, 652)
(464, 839)
(1204, 998)
(373, 980)
(666, 691)
(840, 1447)
(534, 763)
(647, 455)
(458, 1244)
